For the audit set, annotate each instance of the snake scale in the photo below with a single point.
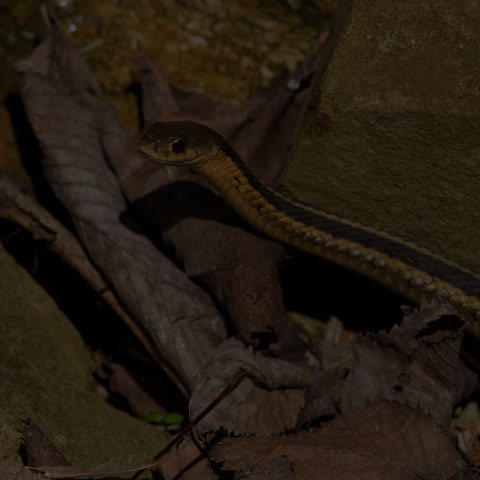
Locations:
(402, 266)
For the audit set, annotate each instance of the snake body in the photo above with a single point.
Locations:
(402, 266)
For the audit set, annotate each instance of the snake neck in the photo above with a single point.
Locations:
(243, 191)
(335, 239)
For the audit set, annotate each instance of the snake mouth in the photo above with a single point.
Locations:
(143, 148)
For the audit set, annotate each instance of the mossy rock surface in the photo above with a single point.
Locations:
(391, 139)
(45, 377)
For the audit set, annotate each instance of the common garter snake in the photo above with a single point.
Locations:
(402, 266)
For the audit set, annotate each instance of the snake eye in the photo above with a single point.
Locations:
(178, 145)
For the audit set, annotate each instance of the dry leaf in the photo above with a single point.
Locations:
(379, 441)
(66, 112)
(416, 363)
(40, 449)
(188, 461)
(267, 402)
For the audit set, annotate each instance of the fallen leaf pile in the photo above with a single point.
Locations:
(381, 412)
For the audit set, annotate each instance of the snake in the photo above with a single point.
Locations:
(402, 266)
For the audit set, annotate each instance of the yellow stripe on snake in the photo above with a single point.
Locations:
(406, 268)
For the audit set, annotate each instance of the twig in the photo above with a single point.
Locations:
(224, 393)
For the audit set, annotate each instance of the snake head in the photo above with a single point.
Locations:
(180, 143)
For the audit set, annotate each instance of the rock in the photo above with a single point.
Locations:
(391, 138)
(45, 377)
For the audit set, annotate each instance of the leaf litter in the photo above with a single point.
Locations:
(387, 408)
